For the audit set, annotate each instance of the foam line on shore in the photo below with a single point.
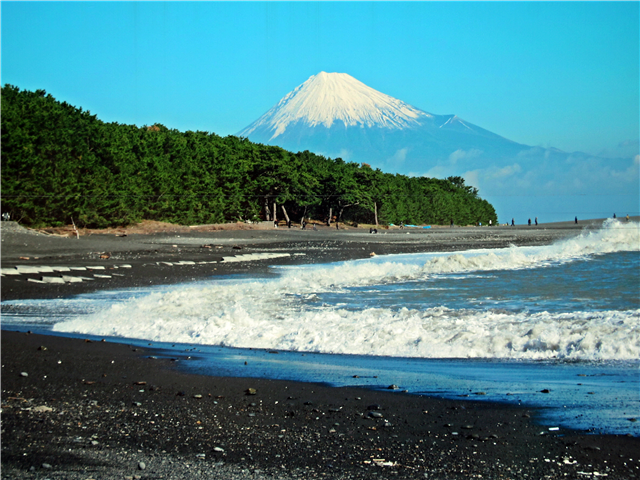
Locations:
(238, 313)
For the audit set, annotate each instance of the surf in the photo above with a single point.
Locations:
(417, 305)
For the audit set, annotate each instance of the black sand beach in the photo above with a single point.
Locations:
(149, 255)
(78, 410)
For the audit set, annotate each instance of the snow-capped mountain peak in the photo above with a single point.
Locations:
(335, 115)
(327, 98)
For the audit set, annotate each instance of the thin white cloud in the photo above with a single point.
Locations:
(344, 154)
(464, 155)
(398, 158)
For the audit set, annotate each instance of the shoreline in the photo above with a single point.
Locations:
(113, 406)
(105, 422)
(109, 261)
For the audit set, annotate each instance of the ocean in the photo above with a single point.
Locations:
(555, 327)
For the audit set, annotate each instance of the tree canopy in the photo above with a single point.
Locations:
(61, 163)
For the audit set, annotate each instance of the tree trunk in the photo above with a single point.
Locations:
(275, 216)
(330, 213)
(375, 210)
(75, 229)
(304, 214)
(267, 212)
(285, 214)
(342, 210)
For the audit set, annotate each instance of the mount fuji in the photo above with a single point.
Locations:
(335, 115)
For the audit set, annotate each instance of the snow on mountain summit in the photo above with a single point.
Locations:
(337, 116)
(326, 98)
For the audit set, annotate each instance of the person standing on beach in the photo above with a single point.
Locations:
(513, 222)
(529, 222)
(576, 219)
(536, 221)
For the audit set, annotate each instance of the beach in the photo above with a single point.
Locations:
(93, 409)
(169, 255)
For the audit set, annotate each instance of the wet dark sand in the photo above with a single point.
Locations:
(113, 407)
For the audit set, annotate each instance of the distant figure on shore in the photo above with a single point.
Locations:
(289, 223)
(576, 220)
(536, 221)
(529, 222)
(490, 222)
(315, 229)
(6, 217)
(275, 224)
(451, 225)
(627, 217)
(614, 215)
(513, 222)
(304, 225)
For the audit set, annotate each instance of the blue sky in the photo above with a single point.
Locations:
(549, 74)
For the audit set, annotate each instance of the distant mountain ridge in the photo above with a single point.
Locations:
(336, 115)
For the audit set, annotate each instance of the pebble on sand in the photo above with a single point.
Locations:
(43, 409)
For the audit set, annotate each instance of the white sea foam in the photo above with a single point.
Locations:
(614, 236)
(432, 333)
(284, 313)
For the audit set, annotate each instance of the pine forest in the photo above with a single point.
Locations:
(61, 164)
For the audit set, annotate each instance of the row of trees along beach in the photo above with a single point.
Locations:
(62, 164)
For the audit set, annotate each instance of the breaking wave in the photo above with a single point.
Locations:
(303, 309)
